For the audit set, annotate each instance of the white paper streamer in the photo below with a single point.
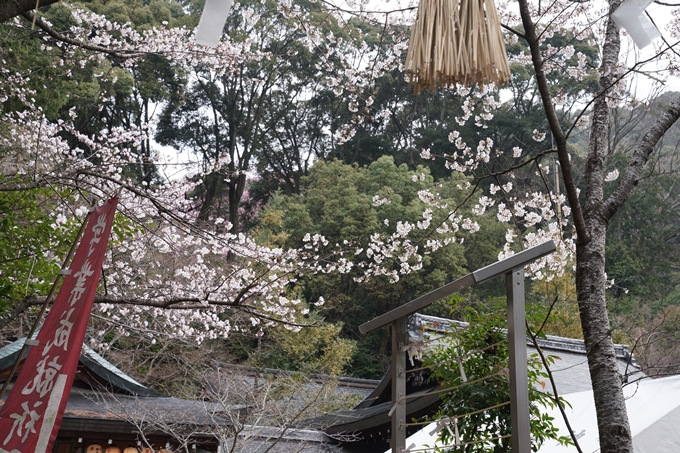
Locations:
(212, 22)
(415, 349)
(631, 16)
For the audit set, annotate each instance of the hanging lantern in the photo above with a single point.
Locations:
(94, 448)
(456, 41)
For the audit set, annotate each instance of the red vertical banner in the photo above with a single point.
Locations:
(30, 418)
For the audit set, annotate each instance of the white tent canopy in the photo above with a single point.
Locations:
(653, 410)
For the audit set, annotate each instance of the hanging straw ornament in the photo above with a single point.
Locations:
(456, 41)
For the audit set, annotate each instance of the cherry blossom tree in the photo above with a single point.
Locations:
(168, 273)
(592, 212)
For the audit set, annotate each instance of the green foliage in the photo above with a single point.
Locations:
(483, 346)
(54, 92)
(558, 297)
(337, 202)
(95, 94)
(642, 241)
(142, 14)
(62, 81)
(37, 229)
(32, 245)
(315, 349)
(268, 113)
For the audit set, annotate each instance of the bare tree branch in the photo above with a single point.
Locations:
(553, 384)
(640, 158)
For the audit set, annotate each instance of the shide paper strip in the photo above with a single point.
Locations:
(212, 22)
(631, 16)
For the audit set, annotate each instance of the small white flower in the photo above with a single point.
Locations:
(538, 136)
(379, 201)
(510, 236)
(612, 176)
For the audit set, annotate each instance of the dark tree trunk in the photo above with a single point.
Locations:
(211, 183)
(610, 406)
(236, 188)
(12, 8)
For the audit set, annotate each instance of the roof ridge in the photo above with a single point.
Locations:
(419, 323)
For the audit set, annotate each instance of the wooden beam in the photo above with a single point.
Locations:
(399, 340)
(498, 268)
(417, 304)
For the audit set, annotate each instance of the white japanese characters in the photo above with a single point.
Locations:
(39, 399)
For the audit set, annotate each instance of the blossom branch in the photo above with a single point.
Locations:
(513, 31)
(59, 37)
(43, 181)
(553, 121)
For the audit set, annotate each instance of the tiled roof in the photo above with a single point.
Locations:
(341, 381)
(9, 353)
(101, 361)
(97, 405)
(570, 369)
(105, 371)
(419, 323)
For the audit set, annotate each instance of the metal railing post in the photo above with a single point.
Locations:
(517, 347)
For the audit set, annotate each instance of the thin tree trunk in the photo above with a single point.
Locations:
(236, 188)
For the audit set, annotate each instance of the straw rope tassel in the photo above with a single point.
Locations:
(456, 41)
